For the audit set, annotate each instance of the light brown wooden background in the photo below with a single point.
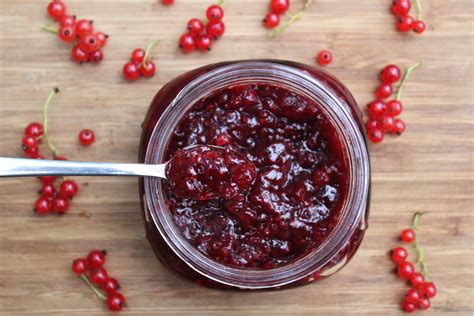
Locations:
(429, 168)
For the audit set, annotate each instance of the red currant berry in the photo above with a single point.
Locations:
(32, 152)
(376, 109)
(279, 6)
(138, 55)
(131, 71)
(102, 38)
(223, 140)
(148, 69)
(390, 74)
(43, 206)
(424, 303)
(167, 2)
(399, 255)
(111, 286)
(68, 189)
(401, 7)
(47, 179)
(387, 123)
(375, 135)
(214, 13)
(115, 302)
(67, 33)
(405, 270)
(47, 190)
(28, 142)
(408, 235)
(429, 289)
(56, 9)
(187, 43)
(324, 57)
(96, 258)
(204, 43)
(413, 296)
(98, 276)
(34, 129)
(215, 30)
(84, 27)
(383, 91)
(419, 27)
(78, 55)
(408, 307)
(86, 137)
(372, 123)
(60, 205)
(405, 23)
(195, 27)
(80, 266)
(271, 20)
(394, 108)
(417, 280)
(68, 20)
(89, 43)
(96, 57)
(398, 127)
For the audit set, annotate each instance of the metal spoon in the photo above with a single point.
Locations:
(24, 167)
(21, 167)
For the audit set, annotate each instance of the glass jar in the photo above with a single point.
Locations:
(172, 102)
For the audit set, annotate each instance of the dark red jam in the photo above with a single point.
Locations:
(300, 186)
(209, 172)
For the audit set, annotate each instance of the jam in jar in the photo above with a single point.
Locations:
(298, 136)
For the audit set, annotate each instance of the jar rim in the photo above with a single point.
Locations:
(354, 144)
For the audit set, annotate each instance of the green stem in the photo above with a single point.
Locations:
(49, 28)
(291, 20)
(45, 122)
(416, 245)
(93, 288)
(148, 50)
(419, 9)
(407, 73)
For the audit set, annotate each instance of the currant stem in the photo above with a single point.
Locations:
(416, 245)
(45, 122)
(419, 9)
(148, 50)
(93, 288)
(407, 73)
(291, 20)
(49, 28)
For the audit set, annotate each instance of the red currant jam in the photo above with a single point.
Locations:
(300, 183)
(204, 173)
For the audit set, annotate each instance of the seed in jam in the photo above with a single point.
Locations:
(300, 183)
(204, 173)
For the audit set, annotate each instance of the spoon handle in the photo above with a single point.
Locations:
(20, 167)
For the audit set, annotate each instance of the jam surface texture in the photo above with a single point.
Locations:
(208, 172)
(300, 182)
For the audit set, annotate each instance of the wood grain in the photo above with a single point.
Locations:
(429, 168)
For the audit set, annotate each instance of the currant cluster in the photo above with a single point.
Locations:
(87, 42)
(201, 34)
(421, 291)
(92, 271)
(277, 8)
(324, 58)
(140, 63)
(405, 22)
(382, 115)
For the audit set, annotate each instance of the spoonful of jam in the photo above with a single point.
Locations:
(200, 172)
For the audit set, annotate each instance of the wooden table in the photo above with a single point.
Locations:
(429, 168)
